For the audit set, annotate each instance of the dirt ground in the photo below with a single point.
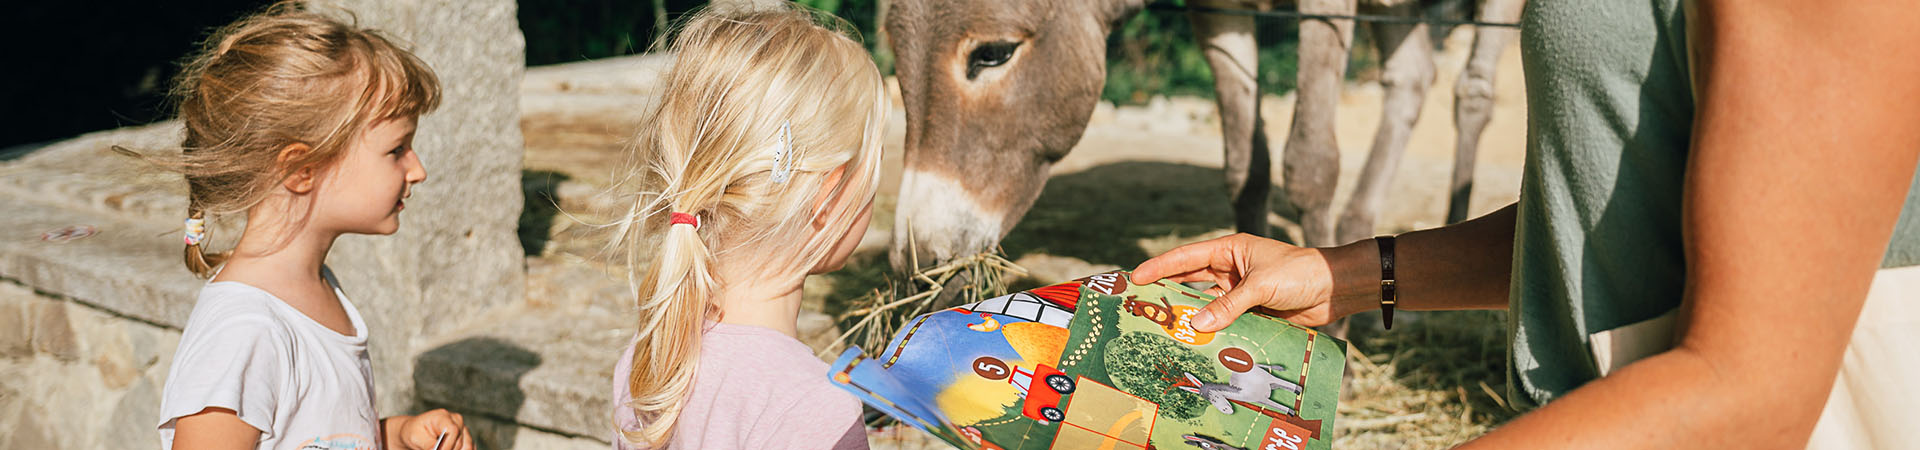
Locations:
(1429, 384)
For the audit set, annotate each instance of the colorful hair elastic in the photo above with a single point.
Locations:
(680, 218)
(196, 231)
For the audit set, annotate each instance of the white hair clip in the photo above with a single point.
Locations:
(783, 155)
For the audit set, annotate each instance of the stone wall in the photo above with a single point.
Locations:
(77, 377)
(80, 377)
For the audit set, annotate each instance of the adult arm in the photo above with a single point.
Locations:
(1804, 146)
(1461, 266)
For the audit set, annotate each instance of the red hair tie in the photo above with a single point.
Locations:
(684, 218)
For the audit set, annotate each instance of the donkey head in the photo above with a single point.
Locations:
(1214, 393)
(995, 92)
(1190, 384)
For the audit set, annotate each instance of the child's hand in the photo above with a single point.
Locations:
(431, 430)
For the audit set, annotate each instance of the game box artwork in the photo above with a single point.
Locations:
(1101, 363)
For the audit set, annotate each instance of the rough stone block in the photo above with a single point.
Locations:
(151, 346)
(113, 356)
(133, 418)
(29, 433)
(16, 337)
(53, 331)
(484, 373)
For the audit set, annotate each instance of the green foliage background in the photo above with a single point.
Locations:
(1150, 54)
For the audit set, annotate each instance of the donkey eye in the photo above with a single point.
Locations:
(991, 54)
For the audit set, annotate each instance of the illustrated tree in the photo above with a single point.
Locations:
(1146, 364)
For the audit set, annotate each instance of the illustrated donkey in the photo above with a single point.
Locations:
(996, 91)
(1253, 387)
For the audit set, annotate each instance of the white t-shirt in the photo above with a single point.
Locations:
(301, 384)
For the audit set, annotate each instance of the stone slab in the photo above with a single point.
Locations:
(85, 173)
(131, 268)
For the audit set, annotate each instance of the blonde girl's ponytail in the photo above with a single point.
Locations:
(760, 107)
(677, 301)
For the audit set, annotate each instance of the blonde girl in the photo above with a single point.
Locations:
(305, 124)
(763, 156)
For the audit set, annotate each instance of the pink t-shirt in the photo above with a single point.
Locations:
(755, 388)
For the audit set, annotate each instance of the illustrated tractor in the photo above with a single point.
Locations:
(1038, 404)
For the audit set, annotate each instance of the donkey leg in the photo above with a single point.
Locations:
(1287, 385)
(1473, 99)
(1276, 406)
(1311, 164)
(1405, 76)
(1231, 50)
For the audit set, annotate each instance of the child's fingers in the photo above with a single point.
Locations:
(466, 440)
(461, 439)
(436, 429)
(419, 438)
(448, 439)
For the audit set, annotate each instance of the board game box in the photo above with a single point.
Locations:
(1102, 363)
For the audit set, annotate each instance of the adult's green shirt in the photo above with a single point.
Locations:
(1598, 245)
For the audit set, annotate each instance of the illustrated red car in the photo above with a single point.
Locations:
(1038, 404)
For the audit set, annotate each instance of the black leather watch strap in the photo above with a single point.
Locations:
(1388, 296)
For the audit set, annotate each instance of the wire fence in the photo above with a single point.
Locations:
(1355, 17)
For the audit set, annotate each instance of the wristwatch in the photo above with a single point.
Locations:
(1388, 298)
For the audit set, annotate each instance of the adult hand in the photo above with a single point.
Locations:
(1250, 271)
(422, 432)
